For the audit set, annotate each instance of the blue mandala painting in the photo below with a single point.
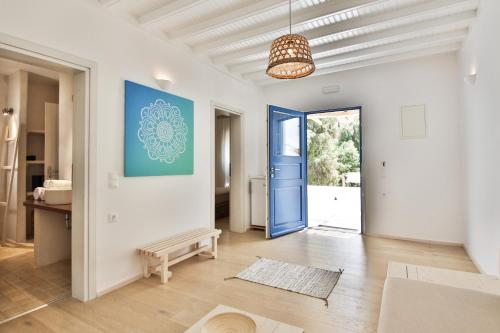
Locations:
(158, 132)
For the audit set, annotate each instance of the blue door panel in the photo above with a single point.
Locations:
(285, 213)
(287, 171)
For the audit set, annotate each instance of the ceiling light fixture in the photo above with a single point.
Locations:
(290, 56)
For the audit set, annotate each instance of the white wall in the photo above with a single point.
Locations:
(3, 91)
(4, 88)
(17, 98)
(481, 116)
(65, 125)
(40, 91)
(148, 207)
(422, 181)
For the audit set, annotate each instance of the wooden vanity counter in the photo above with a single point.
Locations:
(65, 209)
(52, 232)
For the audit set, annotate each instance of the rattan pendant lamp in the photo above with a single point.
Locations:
(290, 55)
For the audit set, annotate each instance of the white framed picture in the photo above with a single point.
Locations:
(413, 122)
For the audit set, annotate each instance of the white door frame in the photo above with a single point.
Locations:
(237, 223)
(83, 252)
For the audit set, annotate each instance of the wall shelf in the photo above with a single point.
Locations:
(40, 132)
(35, 162)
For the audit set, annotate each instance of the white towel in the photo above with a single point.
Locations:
(39, 193)
(51, 183)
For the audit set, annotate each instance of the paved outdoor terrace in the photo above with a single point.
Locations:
(334, 206)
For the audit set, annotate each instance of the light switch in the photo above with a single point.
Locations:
(112, 218)
(113, 180)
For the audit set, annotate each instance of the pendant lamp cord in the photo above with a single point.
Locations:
(290, 14)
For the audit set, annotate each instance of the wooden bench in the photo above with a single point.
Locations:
(156, 256)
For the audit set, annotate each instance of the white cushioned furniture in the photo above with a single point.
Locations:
(425, 299)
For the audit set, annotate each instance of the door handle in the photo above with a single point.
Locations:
(273, 170)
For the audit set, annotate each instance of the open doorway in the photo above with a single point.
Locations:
(222, 168)
(42, 186)
(314, 173)
(334, 169)
(228, 170)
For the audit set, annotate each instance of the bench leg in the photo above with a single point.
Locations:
(145, 267)
(214, 247)
(164, 273)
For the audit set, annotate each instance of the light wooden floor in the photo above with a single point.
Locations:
(24, 287)
(198, 286)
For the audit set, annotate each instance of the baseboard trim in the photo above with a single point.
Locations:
(19, 244)
(416, 240)
(474, 261)
(119, 285)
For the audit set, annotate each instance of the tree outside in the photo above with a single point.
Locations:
(333, 145)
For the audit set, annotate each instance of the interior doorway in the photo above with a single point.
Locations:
(222, 168)
(334, 169)
(44, 181)
(227, 179)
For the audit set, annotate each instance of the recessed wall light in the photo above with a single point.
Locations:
(164, 83)
(471, 75)
(471, 78)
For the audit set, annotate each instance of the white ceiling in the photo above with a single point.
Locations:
(343, 34)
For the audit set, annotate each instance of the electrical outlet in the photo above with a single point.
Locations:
(112, 217)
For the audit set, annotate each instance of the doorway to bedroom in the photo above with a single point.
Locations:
(222, 168)
(227, 178)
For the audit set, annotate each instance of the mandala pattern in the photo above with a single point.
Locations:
(163, 131)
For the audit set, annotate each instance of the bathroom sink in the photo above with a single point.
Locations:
(57, 196)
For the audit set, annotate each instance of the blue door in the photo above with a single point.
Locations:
(287, 171)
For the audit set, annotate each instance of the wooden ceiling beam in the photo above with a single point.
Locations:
(422, 9)
(437, 25)
(219, 21)
(170, 9)
(108, 3)
(376, 61)
(381, 51)
(303, 16)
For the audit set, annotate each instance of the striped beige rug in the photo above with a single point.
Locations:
(310, 281)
